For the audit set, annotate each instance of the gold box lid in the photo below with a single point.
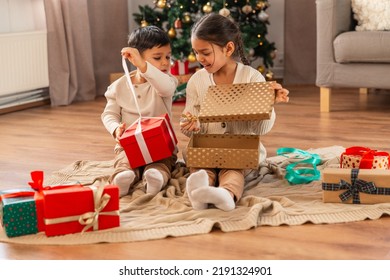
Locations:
(238, 102)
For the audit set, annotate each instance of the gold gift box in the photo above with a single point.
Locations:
(231, 102)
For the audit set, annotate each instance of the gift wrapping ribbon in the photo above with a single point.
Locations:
(354, 188)
(138, 132)
(301, 175)
(181, 67)
(37, 183)
(16, 194)
(89, 219)
(367, 155)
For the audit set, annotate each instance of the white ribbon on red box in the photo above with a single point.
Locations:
(181, 67)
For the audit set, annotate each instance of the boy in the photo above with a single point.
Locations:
(150, 52)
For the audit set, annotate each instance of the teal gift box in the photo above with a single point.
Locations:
(18, 212)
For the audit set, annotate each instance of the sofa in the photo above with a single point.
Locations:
(350, 55)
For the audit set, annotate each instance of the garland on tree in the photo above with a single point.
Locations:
(176, 17)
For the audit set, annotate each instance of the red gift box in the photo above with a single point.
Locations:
(79, 209)
(148, 140)
(180, 68)
(364, 158)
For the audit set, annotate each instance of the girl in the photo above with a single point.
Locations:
(216, 42)
(150, 52)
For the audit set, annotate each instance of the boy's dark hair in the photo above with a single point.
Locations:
(219, 30)
(147, 37)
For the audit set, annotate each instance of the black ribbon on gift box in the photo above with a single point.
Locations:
(354, 188)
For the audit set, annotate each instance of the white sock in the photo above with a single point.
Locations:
(220, 197)
(195, 181)
(154, 181)
(123, 180)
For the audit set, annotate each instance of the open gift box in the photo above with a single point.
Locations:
(231, 102)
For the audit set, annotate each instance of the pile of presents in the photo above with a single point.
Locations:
(363, 177)
(58, 210)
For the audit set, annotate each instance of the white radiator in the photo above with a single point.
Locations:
(23, 66)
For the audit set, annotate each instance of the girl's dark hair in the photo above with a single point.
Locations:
(147, 37)
(219, 30)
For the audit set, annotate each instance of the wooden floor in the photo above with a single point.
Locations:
(48, 139)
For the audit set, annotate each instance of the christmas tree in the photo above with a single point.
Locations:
(178, 16)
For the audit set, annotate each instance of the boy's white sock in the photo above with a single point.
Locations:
(220, 197)
(123, 180)
(195, 181)
(154, 181)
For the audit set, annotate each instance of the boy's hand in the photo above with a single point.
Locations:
(119, 131)
(281, 94)
(188, 122)
(133, 55)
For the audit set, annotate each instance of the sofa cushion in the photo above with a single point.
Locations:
(363, 46)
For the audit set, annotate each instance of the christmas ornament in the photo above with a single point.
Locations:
(178, 24)
(207, 8)
(144, 23)
(269, 75)
(261, 69)
(247, 8)
(251, 52)
(191, 57)
(224, 12)
(172, 33)
(186, 17)
(161, 4)
(260, 5)
(263, 16)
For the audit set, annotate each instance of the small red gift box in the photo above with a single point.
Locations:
(364, 158)
(148, 140)
(180, 68)
(79, 209)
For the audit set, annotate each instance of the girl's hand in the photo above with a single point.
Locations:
(119, 131)
(281, 94)
(188, 122)
(134, 56)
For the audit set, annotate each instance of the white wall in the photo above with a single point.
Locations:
(22, 16)
(275, 29)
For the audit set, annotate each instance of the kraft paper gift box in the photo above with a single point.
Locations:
(21, 212)
(81, 208)
(149, 140)
(364, 186)
(231, 102)
(364, 158)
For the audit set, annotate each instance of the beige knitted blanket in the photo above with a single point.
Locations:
(268, 201)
